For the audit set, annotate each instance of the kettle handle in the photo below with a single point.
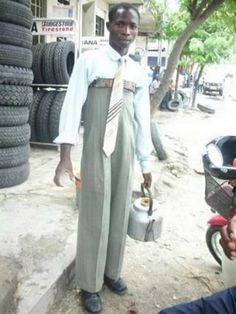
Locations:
(143, 188)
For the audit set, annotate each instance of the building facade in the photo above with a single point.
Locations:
(90, 17)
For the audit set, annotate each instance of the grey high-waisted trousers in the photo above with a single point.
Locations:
(106, 189)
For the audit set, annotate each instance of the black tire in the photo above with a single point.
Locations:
(206, 108)
(42, 117)
(16, 56)
(16, 13)
(14, 135)
(15, 75)
(64, 58)
(181, 96)
(173, 105)
(14, 175)
(54, 116)
(14, 156)
(157, 143)
(37, 63)
(15, 35)
(12, 116)
(47, 63)
(12, 95)
(38, 95)
(212, 241)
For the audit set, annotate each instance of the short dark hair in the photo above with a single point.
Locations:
(123, 5)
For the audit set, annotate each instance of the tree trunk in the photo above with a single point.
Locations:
(196, 85)
(177, 78)
(175, 55)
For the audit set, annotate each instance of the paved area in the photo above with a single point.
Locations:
(38, 233)
(8, 284)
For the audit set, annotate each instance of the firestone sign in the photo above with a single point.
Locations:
(53, 26)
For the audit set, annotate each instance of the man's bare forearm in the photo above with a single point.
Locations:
(65, 152)
(64, 166)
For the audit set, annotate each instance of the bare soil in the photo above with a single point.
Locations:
(177, 267)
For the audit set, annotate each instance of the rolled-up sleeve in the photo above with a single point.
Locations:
(143, 134)
(71, 110)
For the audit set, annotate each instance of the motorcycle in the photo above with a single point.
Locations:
(219, 163)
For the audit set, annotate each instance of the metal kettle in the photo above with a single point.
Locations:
(145, 221)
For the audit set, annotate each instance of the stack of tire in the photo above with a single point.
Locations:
(52, 66)
(53, 62)
(15, 90)
(45, 115)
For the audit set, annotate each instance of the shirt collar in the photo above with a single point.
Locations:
(113, 54)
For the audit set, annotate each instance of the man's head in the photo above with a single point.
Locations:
(123, 26)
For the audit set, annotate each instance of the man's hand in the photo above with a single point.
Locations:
(228, 239)
(147, 180)
(65, 165)
(63, 168)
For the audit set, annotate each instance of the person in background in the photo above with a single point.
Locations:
(222, 302)
(156, 72)
(228, 238)
(167, 97)
(153, 87)
(149, 74)
(201, 84)
(106, 177)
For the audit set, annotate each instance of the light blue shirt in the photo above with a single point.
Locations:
(103, 63)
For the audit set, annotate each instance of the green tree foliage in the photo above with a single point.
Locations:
(181, 26)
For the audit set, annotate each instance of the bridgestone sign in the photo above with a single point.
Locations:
(53, 26)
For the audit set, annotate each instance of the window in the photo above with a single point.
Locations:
(38, 10)
(152, 61)
(99, 26)
(163, 61)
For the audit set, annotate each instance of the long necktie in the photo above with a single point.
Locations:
(113, 114)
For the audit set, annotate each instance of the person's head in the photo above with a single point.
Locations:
(157, 68)
(123, 25)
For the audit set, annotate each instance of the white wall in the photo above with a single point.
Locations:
(55, 10)
(102, 9)
(59, 10)
(141, 47)
(155, 47)
(88, 20)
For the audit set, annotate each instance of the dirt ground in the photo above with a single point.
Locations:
(177, 267)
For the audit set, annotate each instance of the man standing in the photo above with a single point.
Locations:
(107, 161)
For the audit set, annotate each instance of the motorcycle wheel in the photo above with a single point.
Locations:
(213, 243)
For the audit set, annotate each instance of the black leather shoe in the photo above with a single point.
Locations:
(91, 302)
(117, 286)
